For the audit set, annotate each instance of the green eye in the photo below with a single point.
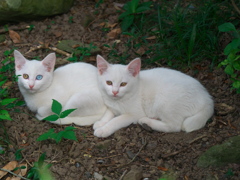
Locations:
(25, 76)
(109, 83)
(123, 84)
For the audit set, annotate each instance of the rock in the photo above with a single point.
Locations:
(219, 155)
(22, 10)
(97, 176)
(134, 174)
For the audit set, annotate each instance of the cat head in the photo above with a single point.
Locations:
(34, 76)
(118, 80)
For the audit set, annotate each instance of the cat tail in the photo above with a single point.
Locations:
(80, 121)
(198, 120)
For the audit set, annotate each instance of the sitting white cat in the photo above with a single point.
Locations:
(74, 86)
(164, 99)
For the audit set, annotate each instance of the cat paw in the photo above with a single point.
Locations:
(98, 124)
(102, 132)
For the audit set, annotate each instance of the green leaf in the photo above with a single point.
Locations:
(229, 70)
(48, 135)
(127, 22)
(236, 65)
(144, 7)
(53, 117)
(7, 101)
(18, 155)
(236, 84)
(226, 27)
(70, 135)
(56, 107)
(232, 46)
(66, 113)
(123, 15)
(4, 115)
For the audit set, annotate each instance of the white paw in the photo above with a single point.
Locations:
(103, 132)
(98, 124)
(143, 121)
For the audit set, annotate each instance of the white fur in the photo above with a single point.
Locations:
(73, 85)
(164, 99)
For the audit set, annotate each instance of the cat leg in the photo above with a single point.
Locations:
(198, 120)
(159, 125)
(105, 119)
(114, 125)
(79, 121)
(89, 109)
(43, 112)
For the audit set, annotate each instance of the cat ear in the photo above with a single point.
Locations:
(102, 64)
(20, 60)
(134, 66)
(49, 62)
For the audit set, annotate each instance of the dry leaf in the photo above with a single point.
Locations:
(151, 37)
(112, 25)
(20, 172)
(57, 33)
(14, 36)
(162, 168)
(114, 33)
(10, 166)
(140, 51)
(7, 84)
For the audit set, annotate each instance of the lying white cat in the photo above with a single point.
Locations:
(73, 85)
(164, 99)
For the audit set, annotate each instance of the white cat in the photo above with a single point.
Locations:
(164, 99)
(73, 85)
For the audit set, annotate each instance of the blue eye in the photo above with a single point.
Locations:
(39, 77)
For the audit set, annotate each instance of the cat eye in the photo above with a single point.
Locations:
(123, 84)
(39, 77)
(25, 76)
(109, 83)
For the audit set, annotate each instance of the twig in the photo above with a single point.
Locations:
(13, 174)
(235, 7)
(2, 31)
(44, 46)
(123, 175)
(145, 143)
(200, 137)
(173, 153)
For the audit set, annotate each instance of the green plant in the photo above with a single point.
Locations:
(232, 51)
(67, 133)
(40, 170)
(132, 10)
(83, 51)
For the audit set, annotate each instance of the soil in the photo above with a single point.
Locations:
(149, 154)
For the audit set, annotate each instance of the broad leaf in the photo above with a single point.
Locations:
(234, 45)
(66, 113)
(226, 27)
(127, 22)
(53, 117)
(4, 115)
(56, 107)
(48, 135)
(70, 135)
(229, 70)
(7, 101)
(236, 64)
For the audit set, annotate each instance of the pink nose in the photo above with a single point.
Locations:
(31, 86)
(115, 93)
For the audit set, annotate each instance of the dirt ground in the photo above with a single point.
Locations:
(149, 154)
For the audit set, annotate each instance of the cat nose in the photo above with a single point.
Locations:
(31, 86)
(115, 93)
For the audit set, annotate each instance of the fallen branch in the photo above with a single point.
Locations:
(235, 7)
(44, 46)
